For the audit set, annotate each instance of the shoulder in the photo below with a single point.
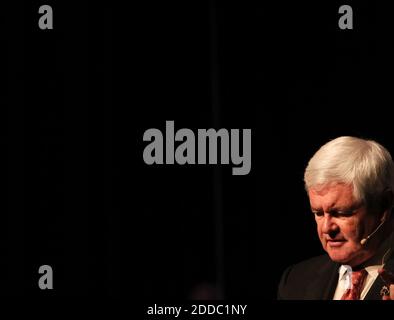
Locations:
(311, 264)
(294, 278)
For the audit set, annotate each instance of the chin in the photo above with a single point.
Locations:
(338, 256)
(349, 258)
(339, 259)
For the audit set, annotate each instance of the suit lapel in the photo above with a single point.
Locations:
(374, 292)
(323, 285)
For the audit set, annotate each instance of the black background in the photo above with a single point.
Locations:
(77, 194)
(57, 136)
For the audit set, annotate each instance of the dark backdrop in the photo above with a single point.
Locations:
(77, 194)
(297, 80)
(57, 140)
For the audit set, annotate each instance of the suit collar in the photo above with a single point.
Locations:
(326, 278)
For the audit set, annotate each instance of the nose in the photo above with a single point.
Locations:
(328, 225)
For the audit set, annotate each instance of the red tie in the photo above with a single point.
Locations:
(358, 279)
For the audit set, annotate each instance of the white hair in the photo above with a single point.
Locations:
(364, 164)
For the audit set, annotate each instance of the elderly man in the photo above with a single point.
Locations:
(350, 183)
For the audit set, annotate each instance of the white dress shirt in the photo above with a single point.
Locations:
(343, 281)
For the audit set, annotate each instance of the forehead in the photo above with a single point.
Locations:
(336, 195)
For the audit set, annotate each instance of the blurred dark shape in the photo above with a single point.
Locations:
(204, 291)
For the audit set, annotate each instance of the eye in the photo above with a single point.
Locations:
(318, 213)
(344, 213)
(341, 213)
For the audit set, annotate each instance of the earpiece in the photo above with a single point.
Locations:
(365, 240)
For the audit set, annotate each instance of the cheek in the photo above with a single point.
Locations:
(318, 227)
(350, 230)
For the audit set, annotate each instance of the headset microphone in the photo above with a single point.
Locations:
(365, 240)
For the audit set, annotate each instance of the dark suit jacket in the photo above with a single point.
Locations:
(317, 278)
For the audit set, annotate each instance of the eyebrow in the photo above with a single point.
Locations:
(339, 208)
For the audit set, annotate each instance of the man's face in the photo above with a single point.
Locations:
(342, 223)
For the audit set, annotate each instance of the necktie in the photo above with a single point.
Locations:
(358, 279)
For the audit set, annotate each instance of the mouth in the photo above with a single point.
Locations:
(335, 243)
